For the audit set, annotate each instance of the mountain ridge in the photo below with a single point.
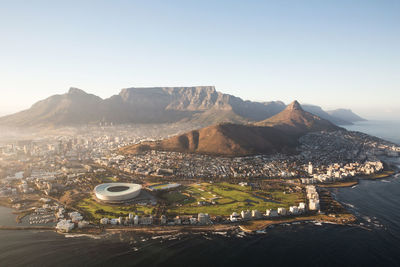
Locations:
(345, 114)
(202, 105)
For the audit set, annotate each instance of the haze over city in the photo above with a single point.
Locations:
(334, 54)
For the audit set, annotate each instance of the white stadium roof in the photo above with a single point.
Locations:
(117, 192)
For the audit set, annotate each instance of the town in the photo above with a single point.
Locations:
(50, 180)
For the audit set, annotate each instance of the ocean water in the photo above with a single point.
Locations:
(374, 241)
(388, 130)
(7, 218)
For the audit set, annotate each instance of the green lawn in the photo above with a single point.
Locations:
(95, 210)
(109, 179)
(231, 197)
(176, 197)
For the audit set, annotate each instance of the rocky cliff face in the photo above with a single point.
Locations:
(202, 105)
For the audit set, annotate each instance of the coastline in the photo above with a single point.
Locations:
(258, 225)
(356, 180)
(251, 226)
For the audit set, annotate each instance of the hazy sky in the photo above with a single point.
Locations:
(331, 53)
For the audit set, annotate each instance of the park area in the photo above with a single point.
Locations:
(95, 210)
(225, 198)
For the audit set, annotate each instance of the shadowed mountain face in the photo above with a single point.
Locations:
(276, 134)
(224, 139)
(201, 105)
(293, 119)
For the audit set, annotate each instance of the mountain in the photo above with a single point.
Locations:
(225, 140)
(200, 105)
(74, 107)
(316, 110)
(345, 114)
(293, 119)
(276, 134)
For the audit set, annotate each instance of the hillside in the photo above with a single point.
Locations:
(224, 139)
(74, 107)
(276, 134)
(293, 119)
(200, 105)
(345, 114)
(316, 110)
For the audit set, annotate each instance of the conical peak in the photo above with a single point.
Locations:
(294, 106)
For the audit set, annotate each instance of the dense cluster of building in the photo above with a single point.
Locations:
(269, 213)
(325, 148)
(48, 166)
(189, 166)
(201, 219)
(75, 220)
(340, 172)
(335, 155)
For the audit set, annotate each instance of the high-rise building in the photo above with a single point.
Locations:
(310, 168)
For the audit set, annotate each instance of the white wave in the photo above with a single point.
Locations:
(240, 234)
(368, 219)
(221, 233)
(82, 235)
(349, 205)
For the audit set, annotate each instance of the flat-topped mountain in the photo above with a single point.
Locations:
(202, 105)
(294, 119)
(276, 134)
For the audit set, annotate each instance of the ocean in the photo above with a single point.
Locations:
(388, 130)
(373, 241)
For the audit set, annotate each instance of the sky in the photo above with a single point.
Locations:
(336, 54)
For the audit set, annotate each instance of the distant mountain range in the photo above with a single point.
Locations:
(202, 105)
(279, 133)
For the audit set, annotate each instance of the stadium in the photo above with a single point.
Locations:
(117, 192)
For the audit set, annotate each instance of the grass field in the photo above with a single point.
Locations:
(95, 210)
(109, 179)
(228, 198)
